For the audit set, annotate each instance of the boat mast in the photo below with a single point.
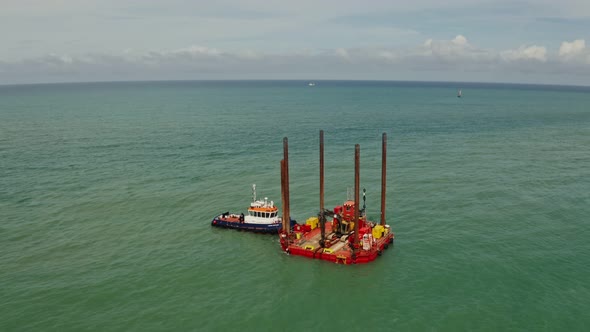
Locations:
(383, 177)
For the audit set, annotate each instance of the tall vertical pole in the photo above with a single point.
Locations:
(321, 171)
(285, 223)
(322, 216)
(357, 152)
(383, 177)
(287, 206)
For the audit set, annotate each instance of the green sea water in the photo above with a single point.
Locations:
(107, 191)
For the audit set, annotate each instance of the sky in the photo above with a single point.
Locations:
(522, 41)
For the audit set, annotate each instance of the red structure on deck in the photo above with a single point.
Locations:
(349, 238)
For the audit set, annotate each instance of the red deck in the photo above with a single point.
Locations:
(337, 250)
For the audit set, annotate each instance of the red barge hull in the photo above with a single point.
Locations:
(338, 250)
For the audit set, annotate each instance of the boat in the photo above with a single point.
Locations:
(349, 237)
(262, 216)
(311, 84)
(459, 93)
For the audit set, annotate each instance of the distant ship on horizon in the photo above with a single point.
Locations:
(459, 93)
(311, 84)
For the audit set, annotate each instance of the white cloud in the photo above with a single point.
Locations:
(456, 47)
(574, 52)
(249, 55)
(196, 52)
(389, 56)
(458, 51)
(342, 54)
(524, 53)
(456, 57)
(459, 40)
(571, 49)
(448, 49)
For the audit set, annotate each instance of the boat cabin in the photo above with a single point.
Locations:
(262, 214)
(261, 211)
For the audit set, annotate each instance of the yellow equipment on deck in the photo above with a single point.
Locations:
(313, 222)
(378, 231)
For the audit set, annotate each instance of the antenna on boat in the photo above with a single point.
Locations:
(253, 192)
(383, 177)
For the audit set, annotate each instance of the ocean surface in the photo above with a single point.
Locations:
(107, 191)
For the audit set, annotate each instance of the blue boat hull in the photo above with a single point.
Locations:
(258, 228)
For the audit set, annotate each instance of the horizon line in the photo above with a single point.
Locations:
(296, 80)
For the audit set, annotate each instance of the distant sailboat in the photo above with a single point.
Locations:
(459, 93)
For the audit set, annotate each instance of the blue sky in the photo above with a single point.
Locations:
(454, 40)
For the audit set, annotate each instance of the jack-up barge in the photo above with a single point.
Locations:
(349, 238)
